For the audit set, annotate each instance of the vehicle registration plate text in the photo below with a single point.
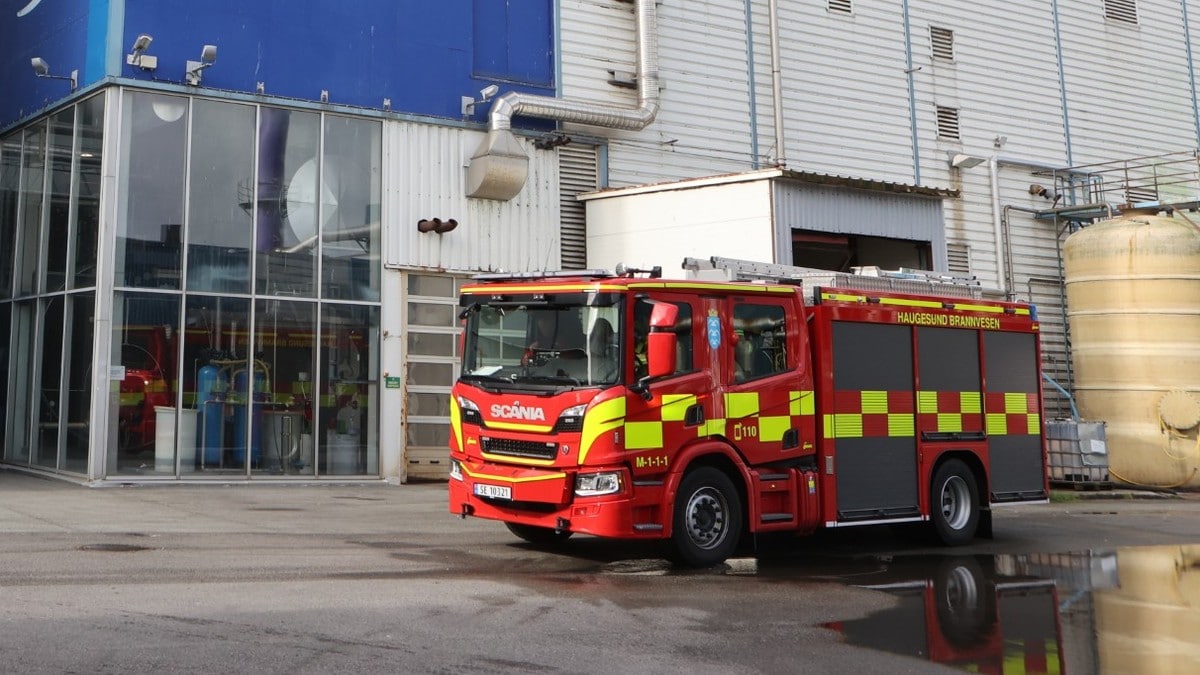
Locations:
(493, 491)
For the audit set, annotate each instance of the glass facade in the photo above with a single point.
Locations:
(243, 290)
(49, 229)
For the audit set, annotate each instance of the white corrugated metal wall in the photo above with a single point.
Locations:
(425, 177)
(703, 125)
(1124, 92)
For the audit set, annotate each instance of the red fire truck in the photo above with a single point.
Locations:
(698, 410)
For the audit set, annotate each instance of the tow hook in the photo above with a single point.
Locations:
(562, 525)
(467, 510)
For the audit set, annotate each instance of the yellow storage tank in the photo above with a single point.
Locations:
(1133, 304)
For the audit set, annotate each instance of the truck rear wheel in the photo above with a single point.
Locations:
(707, 518)
(954, 503)
(539, 536)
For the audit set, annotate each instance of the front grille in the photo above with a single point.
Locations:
(514, 448)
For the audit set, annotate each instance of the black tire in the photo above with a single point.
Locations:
(707, 519)
(954, 503)
(539, 536)
(966, 607)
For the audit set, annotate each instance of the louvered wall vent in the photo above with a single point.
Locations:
(942, 41)
(1121, 10)
(958, 259)
(842, 6)
(947, 122)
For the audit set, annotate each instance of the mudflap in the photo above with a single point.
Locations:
(984, 531)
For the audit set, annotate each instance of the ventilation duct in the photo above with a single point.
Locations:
(499, 168)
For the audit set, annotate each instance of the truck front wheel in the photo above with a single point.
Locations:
(954, 502)
(707, 518)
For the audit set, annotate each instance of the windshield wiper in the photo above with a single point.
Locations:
(487, 382)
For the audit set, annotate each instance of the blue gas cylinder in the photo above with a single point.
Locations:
(209, 391)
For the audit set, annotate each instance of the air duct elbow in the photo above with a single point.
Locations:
(499, 168)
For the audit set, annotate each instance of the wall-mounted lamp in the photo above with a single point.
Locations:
(436, 225)
(137, 55)
(486, 94)
(959, 160)
(194, 69)
(42, 69)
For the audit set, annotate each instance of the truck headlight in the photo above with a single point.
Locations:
(455, 470)
(593, 484)
(571, 419)
(470, 411)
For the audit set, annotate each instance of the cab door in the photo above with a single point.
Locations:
(767, 393)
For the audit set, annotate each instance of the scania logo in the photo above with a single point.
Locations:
(516, 411)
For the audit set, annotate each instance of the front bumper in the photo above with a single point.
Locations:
(546, 498)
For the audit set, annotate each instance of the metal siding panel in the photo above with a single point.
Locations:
(1127, 85)
(845, 90)
(426, 178)
(825, 209)
(703, 126)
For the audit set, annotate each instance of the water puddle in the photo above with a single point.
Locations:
(1126, 610)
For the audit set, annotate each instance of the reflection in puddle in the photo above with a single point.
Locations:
(964, 612)
(1132, 610)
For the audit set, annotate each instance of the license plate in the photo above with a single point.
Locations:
(493, 491)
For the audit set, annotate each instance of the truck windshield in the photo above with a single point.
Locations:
(539, 345)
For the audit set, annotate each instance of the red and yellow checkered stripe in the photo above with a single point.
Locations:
(870, 414)
(950, 411)
(771, 413)
(1012, 414)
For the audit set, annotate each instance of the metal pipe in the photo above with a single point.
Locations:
(910, 72)
(998, 227)
(776, 83)
(752, 86)
(1064, 392)
(511, 104)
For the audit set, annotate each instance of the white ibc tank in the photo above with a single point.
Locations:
(1133, 304)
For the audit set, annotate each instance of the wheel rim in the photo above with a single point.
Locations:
(961, 595)
(956, 502)
(705, 518)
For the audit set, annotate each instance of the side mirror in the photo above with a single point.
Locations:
(660, 345)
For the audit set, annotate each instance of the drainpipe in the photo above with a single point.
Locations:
(499, 168)
(997, 226)
(776, 83)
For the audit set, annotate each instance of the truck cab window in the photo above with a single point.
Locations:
(761, 346)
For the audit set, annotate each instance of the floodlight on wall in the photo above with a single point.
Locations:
(137, 55)
(193, 69)
(959, 160)
(42, 69)
(486, 94)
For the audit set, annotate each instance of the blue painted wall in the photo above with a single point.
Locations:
(59, 31)
(422, 54)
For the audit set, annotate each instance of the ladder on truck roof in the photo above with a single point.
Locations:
(871, 278)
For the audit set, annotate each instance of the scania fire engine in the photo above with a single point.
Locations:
(772, 399)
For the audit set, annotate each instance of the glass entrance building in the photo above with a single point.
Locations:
(228, 325)
(210, 265)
